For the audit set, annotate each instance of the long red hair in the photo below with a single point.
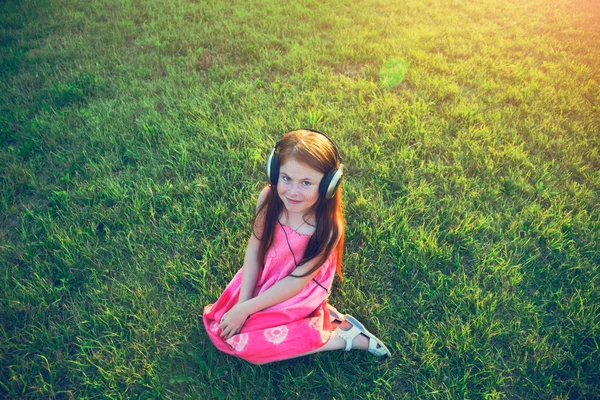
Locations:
(317, 152)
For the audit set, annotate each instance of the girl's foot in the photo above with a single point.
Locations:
(358, 337)
(359, 342)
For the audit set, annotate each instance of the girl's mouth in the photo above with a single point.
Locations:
(294, 201)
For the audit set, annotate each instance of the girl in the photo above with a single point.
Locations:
(275, 307)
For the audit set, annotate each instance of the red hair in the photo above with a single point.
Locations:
(317, 152)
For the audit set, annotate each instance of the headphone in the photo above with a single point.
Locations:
(330, 182)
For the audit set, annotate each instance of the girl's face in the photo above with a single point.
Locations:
(298, 186)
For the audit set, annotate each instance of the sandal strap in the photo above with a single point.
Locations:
(373, 346)
(349, 336)
(335, 314)
(373, 349)
(374, 341)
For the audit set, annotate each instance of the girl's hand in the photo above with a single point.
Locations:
(232, 321)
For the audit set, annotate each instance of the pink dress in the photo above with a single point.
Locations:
(295, 326)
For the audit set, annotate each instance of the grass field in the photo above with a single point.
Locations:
(133, 136)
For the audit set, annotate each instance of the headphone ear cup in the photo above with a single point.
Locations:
(274, 169)
(324, 185)
(330, 183)
(273, 165)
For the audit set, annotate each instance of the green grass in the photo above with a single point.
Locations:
(133, 136)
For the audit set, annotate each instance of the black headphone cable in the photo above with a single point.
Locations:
(294, 256)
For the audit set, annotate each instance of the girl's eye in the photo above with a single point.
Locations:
(286, 178)
(306, 183)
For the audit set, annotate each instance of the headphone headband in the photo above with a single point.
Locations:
(335, 146)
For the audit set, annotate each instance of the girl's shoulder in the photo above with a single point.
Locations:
(261, 210)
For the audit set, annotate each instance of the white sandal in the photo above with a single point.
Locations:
(335, 314)
(357, 329)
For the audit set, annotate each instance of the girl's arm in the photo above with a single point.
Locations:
(283, 290)
(250, 269)
(234, 319)
(251, 263)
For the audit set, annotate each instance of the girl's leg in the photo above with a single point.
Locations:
(361, 342)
